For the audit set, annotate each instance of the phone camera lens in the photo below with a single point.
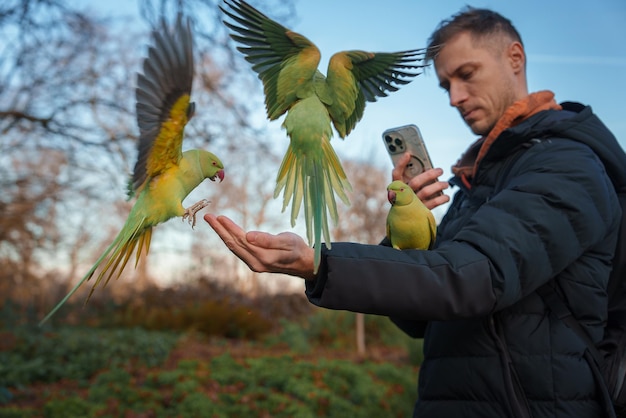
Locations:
(398, 142)
(388, 139)
(392, 148)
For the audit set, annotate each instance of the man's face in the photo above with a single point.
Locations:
(480, 82)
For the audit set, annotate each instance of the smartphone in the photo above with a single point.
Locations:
(407, 138)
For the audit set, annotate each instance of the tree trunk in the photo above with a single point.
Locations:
(360, 334)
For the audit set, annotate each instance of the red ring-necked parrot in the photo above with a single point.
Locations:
(164, 175)
(287, 62)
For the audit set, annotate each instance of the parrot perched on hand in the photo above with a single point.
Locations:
(163, 174)
(410, 224)
(287, 62)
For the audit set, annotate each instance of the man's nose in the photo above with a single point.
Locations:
(457, 94)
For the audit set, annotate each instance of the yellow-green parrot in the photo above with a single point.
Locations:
(410, 224)
(163, 174)
(287, 62)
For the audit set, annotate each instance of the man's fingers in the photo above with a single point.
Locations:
(420, 181)
(263, 240)
(229, 226)
(398, 171)
(234, 236)
(254, 238)
(229, 232)
(235, 239)
(216, 225)
(433, 189)
(433, 202)
(249, 247)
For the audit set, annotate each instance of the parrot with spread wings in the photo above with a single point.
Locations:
(286, 63)
(164, 175)
(410, 224)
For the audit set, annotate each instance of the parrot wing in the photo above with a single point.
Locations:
(285, 61)
(355, 77)
(163, 105)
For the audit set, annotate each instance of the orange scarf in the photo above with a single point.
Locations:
(466, 166)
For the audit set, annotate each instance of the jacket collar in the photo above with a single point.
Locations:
(466, 166)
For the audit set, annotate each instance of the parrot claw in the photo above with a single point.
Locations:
(190, 212)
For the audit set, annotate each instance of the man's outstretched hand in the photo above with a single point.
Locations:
(283, 253)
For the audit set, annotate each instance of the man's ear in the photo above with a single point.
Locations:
(517, 56)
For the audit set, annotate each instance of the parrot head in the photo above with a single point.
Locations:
(399, 193)
(212, 167)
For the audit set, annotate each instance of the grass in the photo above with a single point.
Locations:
(202, 351)
(132, 372)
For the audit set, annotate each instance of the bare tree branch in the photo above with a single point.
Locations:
(68, 130)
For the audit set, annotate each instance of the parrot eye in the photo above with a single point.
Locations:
(402, 189)
(214, 163)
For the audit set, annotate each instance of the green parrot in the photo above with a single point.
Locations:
(163, 174)
(286, 63)
(410, 225)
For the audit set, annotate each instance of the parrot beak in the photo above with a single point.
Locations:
(391, 196)
(219, 175)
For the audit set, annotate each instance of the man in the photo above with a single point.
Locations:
(536, 204)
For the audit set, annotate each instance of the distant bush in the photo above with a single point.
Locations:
(213, 318)
(337, 329)
(200, 305)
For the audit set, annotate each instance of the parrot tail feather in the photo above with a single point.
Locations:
(335, 175)
(290, 179)
(77, 285)
(111, 266)
(144, 241)
(316, 179)
(124, 249)
(120, 250)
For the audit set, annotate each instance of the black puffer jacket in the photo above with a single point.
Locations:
(541, 207)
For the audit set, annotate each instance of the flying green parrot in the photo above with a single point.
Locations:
(163, 175)
(286, 63)
(410, 224)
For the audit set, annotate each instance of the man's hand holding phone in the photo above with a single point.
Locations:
(426, 185)
(413, 166)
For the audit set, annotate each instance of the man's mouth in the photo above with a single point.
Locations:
(468, 114)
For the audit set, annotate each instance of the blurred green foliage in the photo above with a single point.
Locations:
(116, 358)
(78, 353)
(337, 329)
(265, 386)
(122, 372)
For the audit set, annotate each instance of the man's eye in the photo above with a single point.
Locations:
(466, 75)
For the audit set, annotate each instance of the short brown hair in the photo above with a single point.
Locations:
(478, 22)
